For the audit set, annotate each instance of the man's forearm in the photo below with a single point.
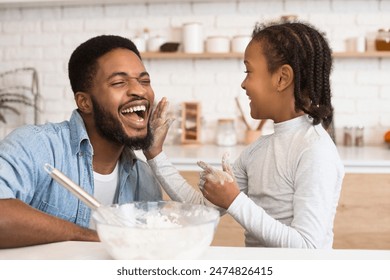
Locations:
(22, 225)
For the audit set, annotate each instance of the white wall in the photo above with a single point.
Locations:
(44, 37)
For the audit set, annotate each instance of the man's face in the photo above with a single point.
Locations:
(122, 99)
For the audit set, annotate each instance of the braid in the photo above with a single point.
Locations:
(306, 50)
(316, 77)
(316, 72)
(306, 54)
(326, 98)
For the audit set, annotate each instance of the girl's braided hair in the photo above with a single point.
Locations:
(306, 50)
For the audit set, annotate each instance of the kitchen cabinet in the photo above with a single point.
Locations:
(363, 215)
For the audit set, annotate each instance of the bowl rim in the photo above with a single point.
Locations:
(214, 215)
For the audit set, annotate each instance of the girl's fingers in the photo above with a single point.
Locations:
(164, 108)
(206, 167)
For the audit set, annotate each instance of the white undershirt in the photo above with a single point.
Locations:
(105, 186)
(104, 190)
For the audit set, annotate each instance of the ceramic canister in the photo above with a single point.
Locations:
(140, 43)
(154, 43)
(193, 38)
(218, 44)
(239, 43)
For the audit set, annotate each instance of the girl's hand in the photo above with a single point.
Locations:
(218, 187)
(159, 124)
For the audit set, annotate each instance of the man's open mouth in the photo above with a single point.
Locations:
(139, 110)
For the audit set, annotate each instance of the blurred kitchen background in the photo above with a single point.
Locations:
(40, 35)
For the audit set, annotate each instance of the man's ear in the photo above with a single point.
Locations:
(83, 101)
(285, 77)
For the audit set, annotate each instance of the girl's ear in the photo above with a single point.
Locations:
(83, 101)
(285, 76)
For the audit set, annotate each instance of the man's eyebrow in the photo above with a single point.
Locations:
(143, 74)
(124, 74)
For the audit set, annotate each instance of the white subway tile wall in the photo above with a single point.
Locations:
(44, 37)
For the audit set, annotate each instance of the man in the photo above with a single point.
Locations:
(94, 148)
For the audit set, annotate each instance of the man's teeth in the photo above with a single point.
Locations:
(134, 109)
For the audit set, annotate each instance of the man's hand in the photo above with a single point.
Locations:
(159, 124)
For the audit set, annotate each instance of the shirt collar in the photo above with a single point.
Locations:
(128, 158)
(292, 124)
(78, 135)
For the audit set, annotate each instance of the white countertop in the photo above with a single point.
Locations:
(75, 250)
(89, 260)
(369, 159)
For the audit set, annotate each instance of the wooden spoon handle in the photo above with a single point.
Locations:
(261, 124)
(242, 114)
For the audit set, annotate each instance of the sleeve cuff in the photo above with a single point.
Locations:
(237, 203)
(161, 157)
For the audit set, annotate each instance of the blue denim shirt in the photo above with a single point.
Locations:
(65, 146)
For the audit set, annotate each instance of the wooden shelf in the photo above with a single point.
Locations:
(371, 54)
(181, 55)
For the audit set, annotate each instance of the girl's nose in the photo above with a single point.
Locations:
(243, 84)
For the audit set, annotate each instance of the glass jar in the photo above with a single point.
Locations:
(226, 133)
(348, 141)
(359, 136)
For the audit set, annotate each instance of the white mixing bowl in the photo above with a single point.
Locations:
(159, 230)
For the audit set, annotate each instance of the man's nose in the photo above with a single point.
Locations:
(136, 88)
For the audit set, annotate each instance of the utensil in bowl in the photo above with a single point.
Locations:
(101, 212)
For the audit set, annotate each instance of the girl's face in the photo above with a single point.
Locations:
(260, 85)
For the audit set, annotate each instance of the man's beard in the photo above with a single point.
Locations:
(111, 129)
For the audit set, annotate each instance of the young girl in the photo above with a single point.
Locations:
(285, 186)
